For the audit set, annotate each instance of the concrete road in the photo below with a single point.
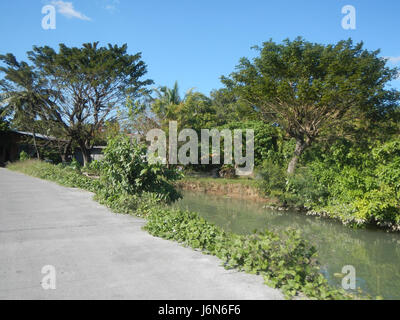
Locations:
(97, 254)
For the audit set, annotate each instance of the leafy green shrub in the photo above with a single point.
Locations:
(358, 185)
(138, 205)
(75, 165)
(267, 139)
(370, 188)
(93, 168)
(23, 156)
(304, 189)
(125, 169)
(50, 154)
(381, 206)
(286, 262)
(273, 178)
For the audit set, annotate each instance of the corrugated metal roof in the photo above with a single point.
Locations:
(37, 135)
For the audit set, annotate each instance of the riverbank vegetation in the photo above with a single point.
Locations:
(325, 118)
(357, 185)
(287, 261)
(326, 139)
(326, 126)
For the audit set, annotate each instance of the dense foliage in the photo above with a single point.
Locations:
(361, 190)
(308, 88)
(4, 124)
(266, 138)
(72, 93)
(287, 262)
(358, 185)
(326, 126)
(324, 110)
(125, 170)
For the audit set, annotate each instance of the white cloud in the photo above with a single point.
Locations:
(67, 10)
(393, 60)
(112, 5)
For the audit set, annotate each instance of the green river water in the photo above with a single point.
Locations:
(375, 254)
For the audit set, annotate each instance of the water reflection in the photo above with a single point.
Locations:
(374, 254)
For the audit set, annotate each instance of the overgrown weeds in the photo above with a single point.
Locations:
(287, 262)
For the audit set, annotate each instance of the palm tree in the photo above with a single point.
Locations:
(167, 97)
(170, 95)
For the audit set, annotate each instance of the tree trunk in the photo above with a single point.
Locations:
(300, 146)
(35, 145)
(85, 153)
(64, 152)
(86, 157)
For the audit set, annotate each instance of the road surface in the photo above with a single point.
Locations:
(87, 252)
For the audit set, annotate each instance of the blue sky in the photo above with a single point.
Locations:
(195, 42)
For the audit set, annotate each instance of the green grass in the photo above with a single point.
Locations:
(64, 175)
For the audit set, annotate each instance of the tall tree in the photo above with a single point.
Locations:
(196, 112)
(230, 107)
(92, 83)
(308, 88)
(4, 123)
(25, 95)
(166, 101)
(169, 95)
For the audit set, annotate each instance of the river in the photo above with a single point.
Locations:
(375, 254)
